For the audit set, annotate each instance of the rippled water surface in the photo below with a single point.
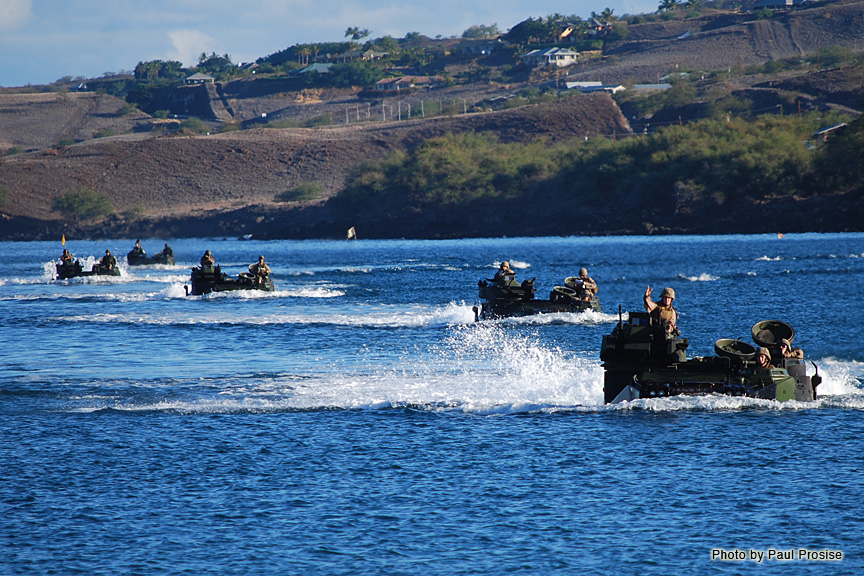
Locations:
(358, 421)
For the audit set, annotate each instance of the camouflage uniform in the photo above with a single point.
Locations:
(665, 316)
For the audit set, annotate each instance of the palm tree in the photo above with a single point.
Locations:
(303, 53)
(356, 33)
(668, 5)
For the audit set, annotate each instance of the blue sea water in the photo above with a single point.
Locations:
(357, 420)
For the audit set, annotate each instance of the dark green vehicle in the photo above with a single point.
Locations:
(504, 298)
(139, 257)
(206, 280)
(74, 269)
(641, 361)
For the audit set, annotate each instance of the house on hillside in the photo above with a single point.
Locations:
(773, 4)
(593, 86)
(349, 56)
(610, 88)
(480, 46)
(824, 132)
(316, 68)
(582, 84)
(550, 57)
(659, 87)
(597, 27)
(199, 78)
(408, 82)
(567, 33)
(372, 55)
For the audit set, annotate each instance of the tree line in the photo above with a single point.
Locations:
(715, 162)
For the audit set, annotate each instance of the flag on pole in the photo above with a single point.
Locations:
(63, 241)
(351, 233)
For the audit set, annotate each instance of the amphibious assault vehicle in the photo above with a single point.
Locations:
(139, 258)
(641, 360)
(74, 269)
(206, 280)
(506, 297)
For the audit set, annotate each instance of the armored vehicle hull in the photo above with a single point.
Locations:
(75, 269)
(206, 280)
(135, 258)
(507, 298)
(641, 361)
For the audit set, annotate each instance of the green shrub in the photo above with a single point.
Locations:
(456, 169)
(713, 161)
(136, 213)
(229, 127)
(303, 192)
(194, 125)
(4, 195)
(314, 122)
(105, 132)
(83, 204)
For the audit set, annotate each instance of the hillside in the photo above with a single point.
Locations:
(716, 42)
(165, 179)
(181, 174)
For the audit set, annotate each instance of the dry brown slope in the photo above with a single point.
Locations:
(173, 175)
(34, 121)
(647, 55)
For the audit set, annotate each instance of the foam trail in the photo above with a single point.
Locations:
(588, 317)
(480, 370)
(483, 370)
(393, 317)
(704, 277)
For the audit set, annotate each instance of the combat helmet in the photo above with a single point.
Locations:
(667, 292)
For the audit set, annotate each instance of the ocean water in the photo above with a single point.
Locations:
(357, 420)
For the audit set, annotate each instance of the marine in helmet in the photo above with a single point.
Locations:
(663, 312)
(589, 286)
(108, 260)
(260, 269)
(788, 351)
(763, 358)
(207, 260)
(66, 257)
(504, 273)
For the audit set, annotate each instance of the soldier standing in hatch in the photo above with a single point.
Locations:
(261, 270)
(663, 312)
(108, 260)
(589, 286)
(207, 260)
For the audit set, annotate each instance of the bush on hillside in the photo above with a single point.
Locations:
(452, 170)
(302, 193)
(714, 160)
(83, 204)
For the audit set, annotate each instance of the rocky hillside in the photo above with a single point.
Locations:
(156, 177)
(721, 41)
(162, 179)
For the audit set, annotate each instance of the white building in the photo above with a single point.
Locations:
(550, 57)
